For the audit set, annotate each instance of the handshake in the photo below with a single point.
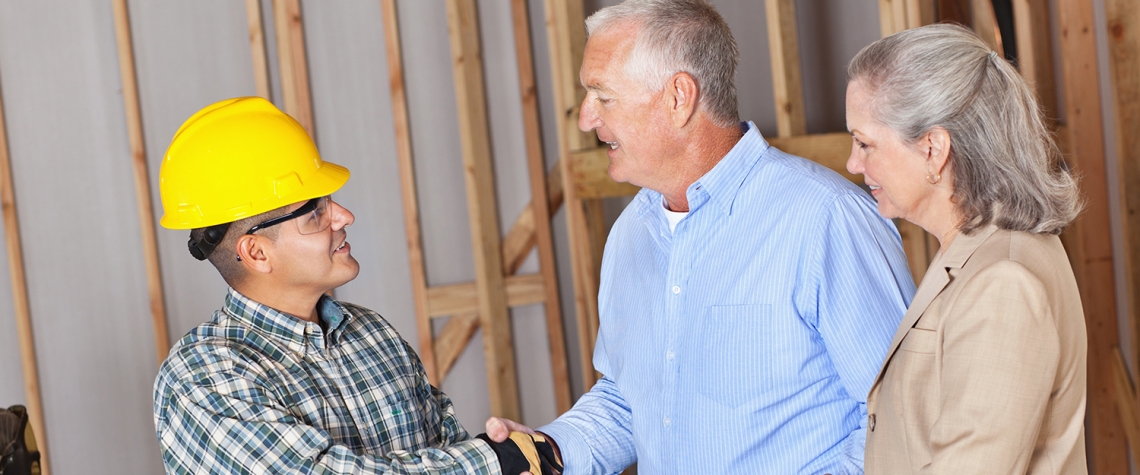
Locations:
(522, 452)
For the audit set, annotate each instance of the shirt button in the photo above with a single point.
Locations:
(871, 422)
(669, 355)
(667, 421)
(676, 289)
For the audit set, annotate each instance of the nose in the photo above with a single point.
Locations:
(588, 117)
(855, 161)
(342, 217)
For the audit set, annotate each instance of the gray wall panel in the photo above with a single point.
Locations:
(187, 55)
(81, 237)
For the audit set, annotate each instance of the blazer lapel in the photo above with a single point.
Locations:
(936, 279)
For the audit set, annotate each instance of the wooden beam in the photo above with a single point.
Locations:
(453, 339)
(294, 67)
(542, 214)
(444, 300)
(142, 178)
(1035, 52)
(257, 48)
(1090, 246)
(984, 22)
(408, 187)
(24, 334)
(521, 237)
(1123, 20)
(567, 40)
(1126, 403)
(787, 84)
(467, 65)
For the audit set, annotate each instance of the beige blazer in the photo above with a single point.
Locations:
(986, 373)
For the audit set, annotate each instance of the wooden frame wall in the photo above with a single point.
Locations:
(23, 312)
(1123, 26)
(485, 302)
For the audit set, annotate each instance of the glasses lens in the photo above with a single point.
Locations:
(316, 220)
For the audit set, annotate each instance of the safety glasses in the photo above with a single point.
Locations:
(312, 217)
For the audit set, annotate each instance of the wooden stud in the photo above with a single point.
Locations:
(443, 300)
(1089, 241)
(1126, 403)
(1123, 20)
(408, 188)
(257, 47)
(541, 214)
(1035, 52)
(34, 402)
(567, 42)
(467, 65)
(142, 178)
(985, 23)
(291, 60)
(788, 87)
(522, 236)
(453, 339)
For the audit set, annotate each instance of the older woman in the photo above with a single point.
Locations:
(986, 373)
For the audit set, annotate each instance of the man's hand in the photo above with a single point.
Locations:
(498, 428)
(522, 453)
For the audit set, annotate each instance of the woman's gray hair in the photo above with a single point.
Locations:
(676, 36)
(1006, 167)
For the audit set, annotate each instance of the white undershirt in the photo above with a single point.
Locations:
(674, 217)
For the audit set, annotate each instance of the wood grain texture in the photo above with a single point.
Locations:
(23, 313)
(566, 37)
(444, 300)
(453, 339)
(467, 66)
(292, 62)
(1035, 52)
(1089, 241)
(257, 48)
(141, 178)
(408, 188)
(536, 168)
(1123, 22)
(1126, 402)
(787, 82)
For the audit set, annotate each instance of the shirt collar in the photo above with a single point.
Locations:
(723, 182)
(297, 334)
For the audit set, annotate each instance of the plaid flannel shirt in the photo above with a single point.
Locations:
(256, 391)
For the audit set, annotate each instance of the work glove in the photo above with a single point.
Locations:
(523, 452)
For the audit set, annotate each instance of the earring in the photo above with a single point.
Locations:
(933, 178)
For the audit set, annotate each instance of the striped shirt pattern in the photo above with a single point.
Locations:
(746, 340)
(257, 391)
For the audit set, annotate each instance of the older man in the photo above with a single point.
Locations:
(747, 296)
(284, 379)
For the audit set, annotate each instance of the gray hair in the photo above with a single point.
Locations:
(1006, 167)
(676, 36)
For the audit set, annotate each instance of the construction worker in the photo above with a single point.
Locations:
(284, 379)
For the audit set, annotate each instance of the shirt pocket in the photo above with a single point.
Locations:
(734, 365)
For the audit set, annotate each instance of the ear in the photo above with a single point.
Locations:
(681, 92)
(254, 252)
(935, 145)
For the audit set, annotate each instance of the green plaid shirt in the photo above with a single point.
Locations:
(256, 391)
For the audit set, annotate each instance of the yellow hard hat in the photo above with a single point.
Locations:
(238, 158)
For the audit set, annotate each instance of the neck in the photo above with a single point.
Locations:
(942, 218)
(296, 303)
(705, 145)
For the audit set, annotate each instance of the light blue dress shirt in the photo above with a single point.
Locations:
(746, 340)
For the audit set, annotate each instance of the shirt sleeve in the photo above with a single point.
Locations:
(596, 435)
(858, 291)
(1000, 354)
(225, 416)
